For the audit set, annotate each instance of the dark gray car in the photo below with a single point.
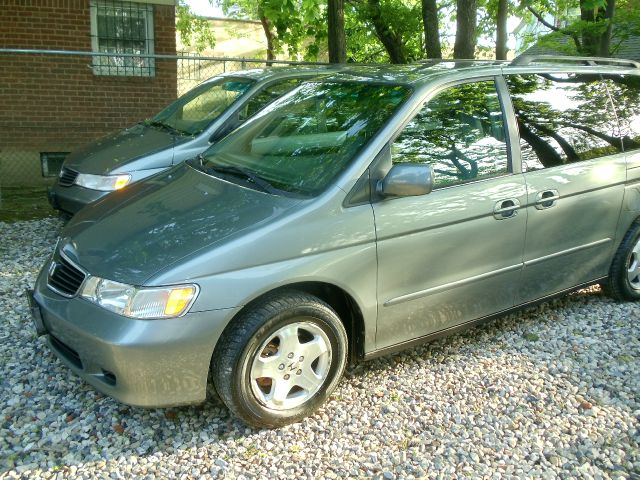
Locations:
(182, 130)
(358, 215)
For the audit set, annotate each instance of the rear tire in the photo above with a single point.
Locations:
(623, 283)
(280, 359)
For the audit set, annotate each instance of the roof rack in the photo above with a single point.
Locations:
(528, 59)
(460, 60)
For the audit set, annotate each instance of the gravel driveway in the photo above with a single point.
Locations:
(550, 392)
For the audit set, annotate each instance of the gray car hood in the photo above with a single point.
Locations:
(114, 153)
(132, 234)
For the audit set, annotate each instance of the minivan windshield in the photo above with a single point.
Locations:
(195, 110)
(299, 144)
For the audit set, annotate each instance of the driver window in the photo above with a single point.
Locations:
(460, 133)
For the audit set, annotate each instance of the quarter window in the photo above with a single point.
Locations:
(460, 133)
(122, 27)
(562, 119)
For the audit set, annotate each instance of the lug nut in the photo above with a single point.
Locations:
(281, 366)
(290, 355)
(286, 377)
(298, 372)
(301, 359)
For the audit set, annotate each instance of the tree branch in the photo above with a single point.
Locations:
(551, 26)
(542, 20)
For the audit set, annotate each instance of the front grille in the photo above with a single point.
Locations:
(67, 177)
(64, 277)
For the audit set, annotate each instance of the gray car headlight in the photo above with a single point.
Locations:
(139, 302)
(105, 183)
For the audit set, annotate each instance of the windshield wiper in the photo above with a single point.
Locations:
(164, 126)
(240, 172)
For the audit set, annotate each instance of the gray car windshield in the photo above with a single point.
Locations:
(195, 110)
(302, 142)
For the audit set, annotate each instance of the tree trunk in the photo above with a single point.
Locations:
(605, 38)
(589, 38)
(391, 41)
(593, 43)
(431, 29)
(465, 44)
(501, 30)
(337, 41)
(266, 26)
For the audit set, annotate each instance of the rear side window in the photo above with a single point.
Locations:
(625, 91)
(562, 119)
(459, 132)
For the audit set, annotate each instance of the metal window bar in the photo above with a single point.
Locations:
(122, 28)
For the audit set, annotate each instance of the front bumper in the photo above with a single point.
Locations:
(150, 363)
(71, 199)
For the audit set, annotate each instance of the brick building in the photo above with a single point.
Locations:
(51, 104)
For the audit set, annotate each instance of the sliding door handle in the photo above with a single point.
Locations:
(546, 199)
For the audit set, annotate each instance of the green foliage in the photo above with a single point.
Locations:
(574, 34)
(194, 31)
(298, 25)
(404, 18)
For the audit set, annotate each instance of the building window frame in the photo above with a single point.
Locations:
(115, 65)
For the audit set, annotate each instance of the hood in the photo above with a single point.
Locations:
(130, 236)
(117, 151)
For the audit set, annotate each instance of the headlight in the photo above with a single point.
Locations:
(106, 183)
(139, 302)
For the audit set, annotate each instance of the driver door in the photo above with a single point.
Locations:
(455, 254)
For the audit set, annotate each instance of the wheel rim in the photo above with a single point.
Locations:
(633, 269)
(291, 365)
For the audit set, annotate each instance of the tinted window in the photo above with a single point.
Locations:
(268, 95)
(196, 109)
(625, 91)
(562, 119)
(300, 143)
(459, 132)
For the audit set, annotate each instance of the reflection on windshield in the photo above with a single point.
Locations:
(301, 143)
(195, 110)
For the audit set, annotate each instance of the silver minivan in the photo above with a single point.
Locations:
(184, 129)
(357, 215)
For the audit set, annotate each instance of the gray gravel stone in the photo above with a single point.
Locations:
(550, 392)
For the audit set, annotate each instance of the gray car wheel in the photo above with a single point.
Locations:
(624, 276)
(280, 359)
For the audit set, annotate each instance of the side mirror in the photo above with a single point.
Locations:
(406, 180)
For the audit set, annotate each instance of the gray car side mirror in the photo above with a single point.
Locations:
(406, 180)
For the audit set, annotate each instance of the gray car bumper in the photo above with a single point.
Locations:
(71, 199)
(151, 363)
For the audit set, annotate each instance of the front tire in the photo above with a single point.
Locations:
(623, 283)
(280, 359)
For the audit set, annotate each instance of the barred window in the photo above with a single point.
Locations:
(122, 28)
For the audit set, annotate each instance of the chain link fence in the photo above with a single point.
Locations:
(54, 102)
